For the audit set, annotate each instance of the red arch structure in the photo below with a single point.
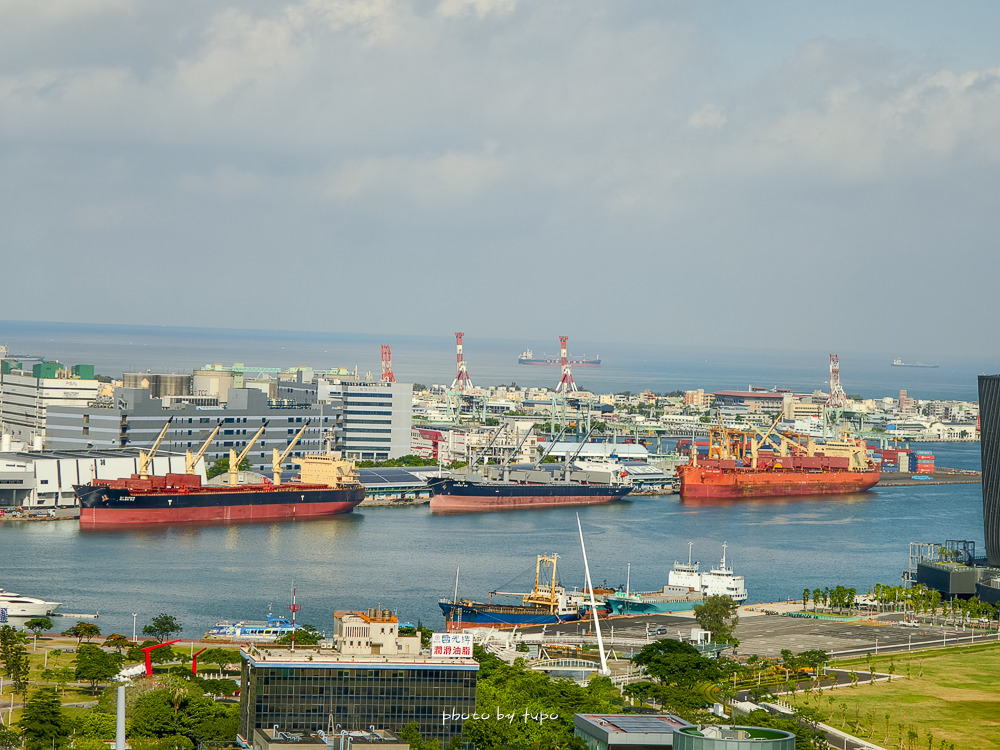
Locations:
(149, 663)
(194, 661)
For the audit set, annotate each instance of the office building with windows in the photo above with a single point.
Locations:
(368, 677)
(989, 445)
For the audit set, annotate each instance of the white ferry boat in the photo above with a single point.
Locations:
(718, 581)
(247, 630)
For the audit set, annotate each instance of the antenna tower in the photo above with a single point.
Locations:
(293, 608)
(387, 375)
(566, 383)
(838, 399)
(462, 379)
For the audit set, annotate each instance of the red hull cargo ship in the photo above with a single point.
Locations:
(327, 486)
(738, 468)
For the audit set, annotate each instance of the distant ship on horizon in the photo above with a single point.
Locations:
(528, 358)
(900, 363)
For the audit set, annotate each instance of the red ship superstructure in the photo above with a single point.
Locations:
(737, 466)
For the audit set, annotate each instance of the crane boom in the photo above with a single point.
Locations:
(234, 460)
(145, 458)
(482, 453)
(548, 450)
(191, 461)
(279, 459)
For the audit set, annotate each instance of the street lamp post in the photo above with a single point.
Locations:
(134, 615)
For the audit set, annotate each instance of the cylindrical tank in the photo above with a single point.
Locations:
(36, 443)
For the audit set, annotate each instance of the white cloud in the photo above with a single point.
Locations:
(711, 116)
(481, 8)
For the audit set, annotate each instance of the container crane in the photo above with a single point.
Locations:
(234, 460)
(279, 459)
(190, 461)
(146, 458)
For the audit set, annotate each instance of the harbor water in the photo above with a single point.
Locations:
(406, 558)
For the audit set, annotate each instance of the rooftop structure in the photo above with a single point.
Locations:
(606, 731)
(368, 678)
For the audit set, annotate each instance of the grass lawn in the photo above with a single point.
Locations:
(951, 695)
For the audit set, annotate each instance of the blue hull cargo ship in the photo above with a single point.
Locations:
(547, 604)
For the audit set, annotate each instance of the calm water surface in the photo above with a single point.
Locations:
(405, 558)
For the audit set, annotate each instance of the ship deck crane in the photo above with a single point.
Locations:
(145, 458)
(234, 460)
(190, 461)
(548, 450)
(475, 460)
(277, 459)
(570, 459)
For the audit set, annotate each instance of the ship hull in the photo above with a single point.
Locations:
(704, 482)
(452, 495)
(622, 606)
(502, 616)
(554, 362)
(106, 506)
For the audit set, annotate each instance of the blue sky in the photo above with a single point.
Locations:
(696, 172)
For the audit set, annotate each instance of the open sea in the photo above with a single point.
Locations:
(406, 559)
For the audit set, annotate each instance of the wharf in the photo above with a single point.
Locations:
(941, 475)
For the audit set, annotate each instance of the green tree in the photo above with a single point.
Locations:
(719, 615)
(162, 627)
(83, 630)
(117, 641)
(222, 467)
(43, 723)
(38, 624)
(60, 675)
(307, 635)
(90, 743)
(9, 739)
(95, 665)
(96, 724)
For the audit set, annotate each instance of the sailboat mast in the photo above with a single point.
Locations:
(593, 604)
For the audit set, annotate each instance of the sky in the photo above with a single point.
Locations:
(689, 173)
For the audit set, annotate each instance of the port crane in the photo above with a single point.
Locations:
(190, 461)
(146, 458)
(277, 459)
(234, 460)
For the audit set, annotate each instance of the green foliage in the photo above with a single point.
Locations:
(411, 734)
(513, 689)
(117, 641)
(677, 664)
(43, 723)
(15, 657)
(222, 467)
(96, 725)
(805, 737)
(220, 657)
(180, 709)
(91, 743)
(409, 460)
(9, 739)
(83, 630)
(304, 636)
(95, 665)
(38, 624)
(162, 627)
(719, 615)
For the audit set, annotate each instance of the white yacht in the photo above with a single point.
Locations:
(719, 581)
(25, 606)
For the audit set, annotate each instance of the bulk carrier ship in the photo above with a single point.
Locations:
(507, 487)
(327, 485)
(737, 467)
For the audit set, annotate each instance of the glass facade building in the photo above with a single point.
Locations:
(989, 445)
(334, 693)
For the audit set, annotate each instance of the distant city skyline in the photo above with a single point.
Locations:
(783, 175)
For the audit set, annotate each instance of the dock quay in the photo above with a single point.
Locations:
(941, 475)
